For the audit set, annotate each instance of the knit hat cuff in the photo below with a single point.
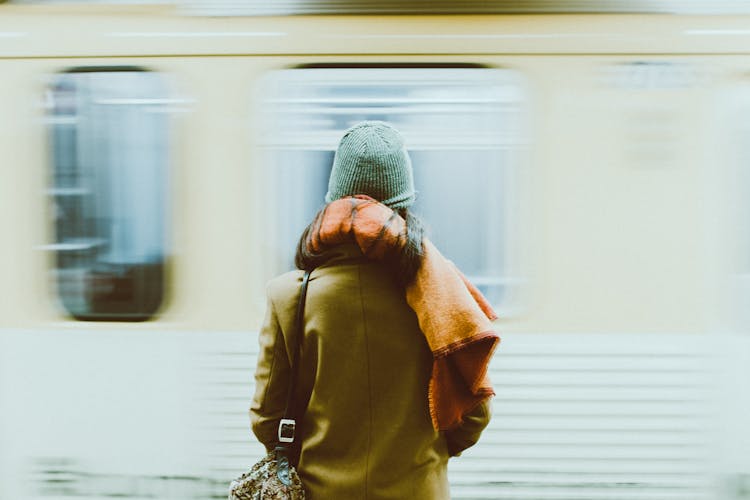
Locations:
(402, 201)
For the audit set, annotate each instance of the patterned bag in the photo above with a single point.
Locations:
(274, 478)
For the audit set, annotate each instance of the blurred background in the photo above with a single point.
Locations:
(585, 163)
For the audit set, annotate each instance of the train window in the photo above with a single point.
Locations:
(108, 186)
(461, 126)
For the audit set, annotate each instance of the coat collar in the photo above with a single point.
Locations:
(342, 253)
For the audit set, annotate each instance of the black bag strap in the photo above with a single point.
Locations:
(288, 424)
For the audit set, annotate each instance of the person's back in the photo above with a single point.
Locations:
(365, 369)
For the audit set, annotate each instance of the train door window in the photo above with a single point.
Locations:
(108, 136)
(461, 126)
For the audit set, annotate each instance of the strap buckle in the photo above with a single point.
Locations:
(287, 427)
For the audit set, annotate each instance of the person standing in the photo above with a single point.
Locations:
(393, 368)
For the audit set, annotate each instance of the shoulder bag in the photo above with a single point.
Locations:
(273, 477)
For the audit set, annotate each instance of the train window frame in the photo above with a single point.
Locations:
(733, 246)
(268, 98)
(129, 284)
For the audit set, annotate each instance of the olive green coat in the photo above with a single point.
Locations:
(366, 431)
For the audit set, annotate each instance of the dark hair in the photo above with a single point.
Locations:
(404, 261)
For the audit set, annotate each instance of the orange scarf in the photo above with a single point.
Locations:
(453, 314)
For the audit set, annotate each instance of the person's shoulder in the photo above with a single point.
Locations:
(284, 285)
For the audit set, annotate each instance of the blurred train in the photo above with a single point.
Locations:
(589, 172)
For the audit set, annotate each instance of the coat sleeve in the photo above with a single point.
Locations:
(271, 380)
(467, 434)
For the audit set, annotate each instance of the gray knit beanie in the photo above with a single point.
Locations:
(371, 159)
